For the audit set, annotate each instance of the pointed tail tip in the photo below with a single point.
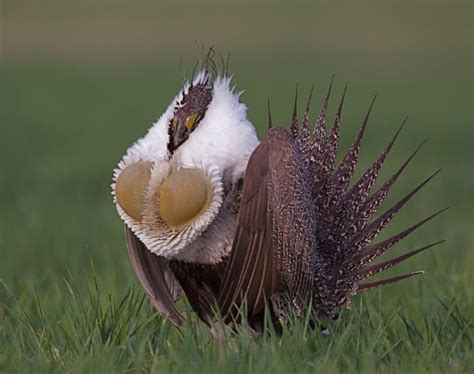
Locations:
(343, 97)
(310, 96)
(431, 176)
(447, 207)
(295, 105)
(373, 101)
(370, 270)
(294, 117)
(364, 287)
(344, 92)
(328, 94)
(269, 114)
(331, 82)
(405, 120)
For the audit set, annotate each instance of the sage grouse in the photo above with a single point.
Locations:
(212, 214)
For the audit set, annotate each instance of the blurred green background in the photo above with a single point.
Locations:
(80, 81)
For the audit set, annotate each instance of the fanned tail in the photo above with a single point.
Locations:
(370, 270)
(364, 287)
(344, 213)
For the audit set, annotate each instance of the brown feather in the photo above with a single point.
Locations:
(370, 270)
(294, 117)
(200, 283)
(373, 202)
(374, 228)
(153, 272)
(270, 122)
(372, 251)
(364, 287)
(251, 248)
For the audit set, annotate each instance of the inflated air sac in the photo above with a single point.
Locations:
(183, 196)
(131, 186)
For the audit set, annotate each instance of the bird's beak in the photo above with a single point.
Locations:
(181, 129)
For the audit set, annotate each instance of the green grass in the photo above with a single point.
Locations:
(99, 332)
(69, 300)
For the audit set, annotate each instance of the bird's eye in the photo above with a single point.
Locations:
(131, 186)
(191, 120)
(183, 196)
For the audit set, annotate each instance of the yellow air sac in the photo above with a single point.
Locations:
(131, 186)
(184, 195)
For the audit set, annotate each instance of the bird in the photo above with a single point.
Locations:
(241, 226)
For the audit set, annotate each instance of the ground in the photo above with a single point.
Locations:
(79, 84)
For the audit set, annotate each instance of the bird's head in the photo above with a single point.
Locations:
(170, 186)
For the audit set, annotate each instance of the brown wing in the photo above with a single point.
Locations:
(156, 277)
(200, 283)
(251, 275)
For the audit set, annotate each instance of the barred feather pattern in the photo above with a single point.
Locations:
(343, 213)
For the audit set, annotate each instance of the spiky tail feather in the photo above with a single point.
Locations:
(344, 214)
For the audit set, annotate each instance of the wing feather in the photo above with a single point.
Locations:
(251, 275)
(156, 277)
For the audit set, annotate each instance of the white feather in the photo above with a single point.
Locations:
(225, 138)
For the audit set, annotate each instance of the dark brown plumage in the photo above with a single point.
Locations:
(303, 232)
(155, 276)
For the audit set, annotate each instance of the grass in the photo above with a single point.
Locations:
(100, 332)
(69, 300)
